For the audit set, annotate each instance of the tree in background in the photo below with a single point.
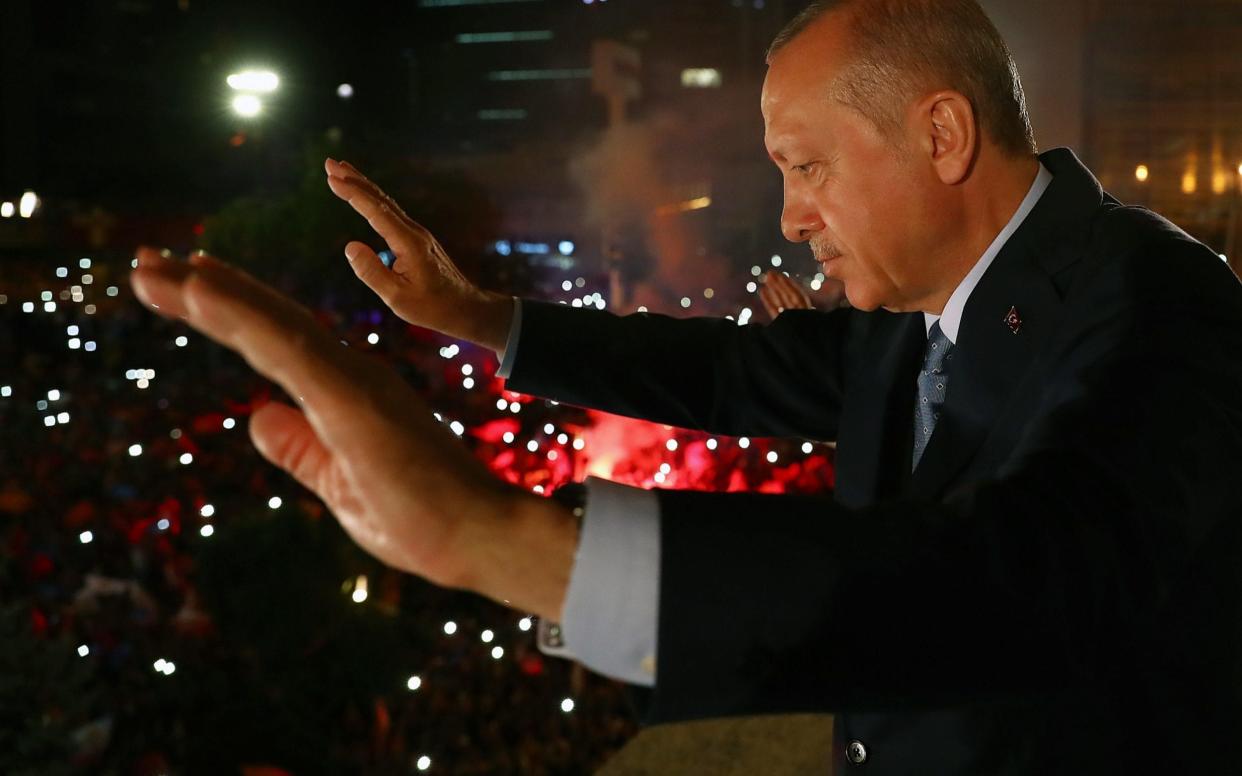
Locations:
(297, 239)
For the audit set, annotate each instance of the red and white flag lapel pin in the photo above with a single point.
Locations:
(1013, 320)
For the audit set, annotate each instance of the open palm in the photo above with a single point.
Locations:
(361, 440)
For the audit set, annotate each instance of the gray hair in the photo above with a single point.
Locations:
(903, 48)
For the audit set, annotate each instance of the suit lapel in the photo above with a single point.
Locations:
(990, 359)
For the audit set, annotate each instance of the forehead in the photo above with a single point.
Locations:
(796, 90)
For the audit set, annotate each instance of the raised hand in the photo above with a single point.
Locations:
(778, 294)
(423, 286)
(400, 484)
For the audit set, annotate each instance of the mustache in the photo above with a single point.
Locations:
(823, 250)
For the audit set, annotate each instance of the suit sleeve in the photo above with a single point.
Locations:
(783, 379)
(1102, 552)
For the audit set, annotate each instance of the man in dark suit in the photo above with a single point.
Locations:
(1031, 561)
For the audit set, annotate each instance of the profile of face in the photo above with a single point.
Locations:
(864, 204)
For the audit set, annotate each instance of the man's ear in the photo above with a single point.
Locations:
(945, 124)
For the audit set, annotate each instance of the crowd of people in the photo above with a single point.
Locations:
(214, 615)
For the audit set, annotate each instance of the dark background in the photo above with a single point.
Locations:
(549, 164)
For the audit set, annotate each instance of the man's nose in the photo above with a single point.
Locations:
(799, 220)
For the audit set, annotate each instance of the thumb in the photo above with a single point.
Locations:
(370, 269)
(284, 436)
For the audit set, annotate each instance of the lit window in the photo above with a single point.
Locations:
(546, 74)
(700, 78)
(519, 36)
(502, 114)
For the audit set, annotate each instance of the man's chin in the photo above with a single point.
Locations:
(861, 298)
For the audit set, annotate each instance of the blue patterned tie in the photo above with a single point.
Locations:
(933, 383)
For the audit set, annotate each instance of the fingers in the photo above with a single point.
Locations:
(278, 337)
(343, 169)
(425, 288)
(160, 289)
(284, 436)
(799, 299)
(348, 182)
(778, 282)
(348, 175)
(146, 255)
(786, 293)
(346, 171)
(770, 304)
(384, 218)
(370, 269)
(785, 290)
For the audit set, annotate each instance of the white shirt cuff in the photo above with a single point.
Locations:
(509, 354)
(611, 614)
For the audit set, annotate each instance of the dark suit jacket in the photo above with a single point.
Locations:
(1054, 590)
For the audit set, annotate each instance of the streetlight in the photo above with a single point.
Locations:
(247, 105)
(250, 84)
(261, 81)
(250, 89)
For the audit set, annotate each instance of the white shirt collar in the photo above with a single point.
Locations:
(951, 318)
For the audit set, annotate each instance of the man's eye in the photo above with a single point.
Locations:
(804, 168)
